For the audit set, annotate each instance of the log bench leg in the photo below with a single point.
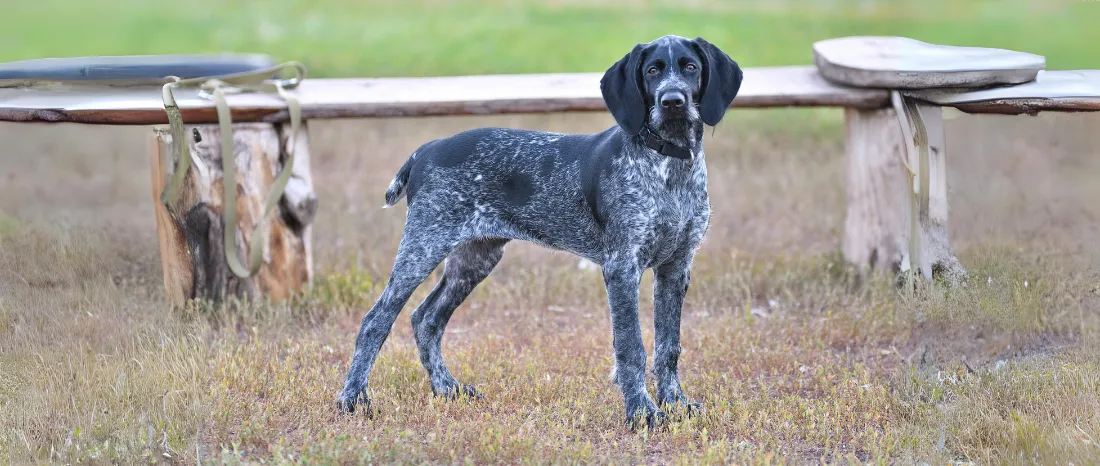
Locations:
(937, 259)
(877, 226)
(190, 230)
(876, 190)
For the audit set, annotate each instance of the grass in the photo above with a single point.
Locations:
(436, 37)
(795, 363)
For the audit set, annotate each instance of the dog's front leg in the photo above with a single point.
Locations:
(622, 276)
(670, 284)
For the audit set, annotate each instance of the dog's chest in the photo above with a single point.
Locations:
(674, 199)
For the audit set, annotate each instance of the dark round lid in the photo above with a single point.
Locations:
(135, 67)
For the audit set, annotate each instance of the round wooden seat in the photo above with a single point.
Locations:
(903, 63)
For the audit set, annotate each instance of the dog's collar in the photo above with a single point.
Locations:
(663, 147)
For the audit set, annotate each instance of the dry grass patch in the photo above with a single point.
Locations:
(794, 362)
(1036, 409)
(90, 371)
(1005, 369)
(786, 380)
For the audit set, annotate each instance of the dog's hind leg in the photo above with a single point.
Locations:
(467, 266)
(421, 250)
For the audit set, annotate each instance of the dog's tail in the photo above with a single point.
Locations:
(396, 191)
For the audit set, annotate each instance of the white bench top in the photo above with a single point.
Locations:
(903, 63)
(799, 86)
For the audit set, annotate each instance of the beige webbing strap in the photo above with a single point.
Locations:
(254, 81)
(916, 146)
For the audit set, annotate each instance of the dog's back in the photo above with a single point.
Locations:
(512, 183)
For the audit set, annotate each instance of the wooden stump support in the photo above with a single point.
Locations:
(878, 222)
(873, 235)
(190, 229)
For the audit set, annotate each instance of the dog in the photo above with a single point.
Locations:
(629, 198)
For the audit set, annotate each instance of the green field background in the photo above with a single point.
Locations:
(343, 38)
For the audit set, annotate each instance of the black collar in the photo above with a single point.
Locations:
(663, 147)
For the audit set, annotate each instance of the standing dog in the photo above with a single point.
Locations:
(629, 198)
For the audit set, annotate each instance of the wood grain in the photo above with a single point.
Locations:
(937, 258)
(1061, 91)
(878, 227)
(798, 86)
(874, 238)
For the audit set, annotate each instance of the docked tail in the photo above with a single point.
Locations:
(396, 191)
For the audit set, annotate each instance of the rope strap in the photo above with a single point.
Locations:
(218, 88)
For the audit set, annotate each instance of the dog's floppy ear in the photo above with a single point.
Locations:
(721, 81)
(622, 91)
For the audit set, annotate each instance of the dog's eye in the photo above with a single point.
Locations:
(652, 70)
(690, 67)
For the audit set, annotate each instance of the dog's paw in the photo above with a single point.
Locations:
(350, 403)
(644, 414)
(456, 391)
(681, 404)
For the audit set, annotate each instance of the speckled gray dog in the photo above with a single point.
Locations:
(629, 198)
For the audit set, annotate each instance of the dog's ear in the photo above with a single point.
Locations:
(720, 83)
(622, 91)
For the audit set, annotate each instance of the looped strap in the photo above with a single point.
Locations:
(217, 88)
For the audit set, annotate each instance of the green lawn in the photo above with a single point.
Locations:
(424, 37)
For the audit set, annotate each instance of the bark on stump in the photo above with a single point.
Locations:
(878, 225)
(190, 230)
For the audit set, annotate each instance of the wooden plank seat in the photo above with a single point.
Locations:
(882, 173)
(799, 86)
(1060, 91)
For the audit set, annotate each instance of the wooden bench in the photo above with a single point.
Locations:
(910, 233)
(876, 228)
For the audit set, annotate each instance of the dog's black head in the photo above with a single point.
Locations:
(671, 84)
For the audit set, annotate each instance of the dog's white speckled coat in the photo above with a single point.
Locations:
(607, 197)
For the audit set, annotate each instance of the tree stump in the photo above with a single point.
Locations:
(878, 226)
(190, 230)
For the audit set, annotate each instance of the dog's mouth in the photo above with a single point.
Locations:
(677, 123)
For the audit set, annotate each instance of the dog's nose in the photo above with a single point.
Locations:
(672, 99)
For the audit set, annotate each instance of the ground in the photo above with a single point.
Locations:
(795, 361)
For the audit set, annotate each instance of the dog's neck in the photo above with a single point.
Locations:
(678, 139)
